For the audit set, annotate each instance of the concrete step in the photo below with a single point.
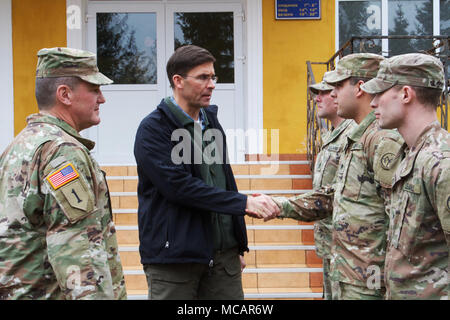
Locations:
(126, 200)
(281, 264)
(290, 167)
(257, 294)
(252, 277)
(272, 265)
(259, 255)
(128, 234)
(128, 217)
(244, 182)
(283, 178)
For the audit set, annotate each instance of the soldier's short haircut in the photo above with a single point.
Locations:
(46, 90)
(185, 59)
(426, 96)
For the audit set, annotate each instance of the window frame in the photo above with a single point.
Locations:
(213, 7)
(385, 22)
(130, 7)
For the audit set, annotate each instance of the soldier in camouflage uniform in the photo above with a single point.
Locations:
(408, 88)
(361, 189)
(325, 170)
(57, 237)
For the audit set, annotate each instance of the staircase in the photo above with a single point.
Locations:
(281, 264)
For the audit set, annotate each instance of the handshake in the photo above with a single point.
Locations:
(261, 206)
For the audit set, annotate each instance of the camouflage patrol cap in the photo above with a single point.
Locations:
(321, 86)
(69, 62)
(359, 65)
(414, 69)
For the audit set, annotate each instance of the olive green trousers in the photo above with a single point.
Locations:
(192, 281)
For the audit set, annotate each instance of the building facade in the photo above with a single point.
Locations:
(261, 59)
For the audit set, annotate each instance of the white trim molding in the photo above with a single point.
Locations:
(76, 23)
(6, 80)
(436, 17)
(253, 98)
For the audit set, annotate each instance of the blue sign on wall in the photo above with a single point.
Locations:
(297, 9)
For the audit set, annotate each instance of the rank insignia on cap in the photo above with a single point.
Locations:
(63, 176)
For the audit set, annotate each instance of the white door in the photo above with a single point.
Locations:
(129, 42)
(217, 27)
(133, 41)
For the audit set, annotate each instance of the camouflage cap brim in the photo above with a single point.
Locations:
(96, 78)
(377, 85)
(321, 86)
(336, 76)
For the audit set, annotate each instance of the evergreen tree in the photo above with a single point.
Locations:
(445, 24)
(445, 17)
(213, 31)
(119, 58)
(353, 17)
(424, 25)
(399, 46)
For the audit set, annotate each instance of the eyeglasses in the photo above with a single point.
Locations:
(204, 78)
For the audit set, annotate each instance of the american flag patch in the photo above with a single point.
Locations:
(63, 176)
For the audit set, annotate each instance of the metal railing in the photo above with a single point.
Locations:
(317, 127)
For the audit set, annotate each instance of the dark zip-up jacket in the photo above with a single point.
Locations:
(175, 204)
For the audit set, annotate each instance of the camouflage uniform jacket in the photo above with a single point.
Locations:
(361, 203)
(324, 173)
(57, 237)
(358, 202)
(417, 259)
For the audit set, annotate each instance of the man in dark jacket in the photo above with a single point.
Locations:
(191, 218)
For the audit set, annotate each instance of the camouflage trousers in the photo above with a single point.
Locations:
(192, 281)
(345, 291)
(326, 279)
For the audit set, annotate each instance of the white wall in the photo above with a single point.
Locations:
(6, 76)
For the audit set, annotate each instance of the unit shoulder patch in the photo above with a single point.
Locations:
(387, 160)
(76, 195)
(62, 176)
(71, 191)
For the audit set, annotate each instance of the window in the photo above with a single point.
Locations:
(392, 17)
(445, 17)
(126, 47)
(213, 31)
(360, 18)
(410, 17)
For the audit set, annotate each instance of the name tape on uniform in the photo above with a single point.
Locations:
(62, 176)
